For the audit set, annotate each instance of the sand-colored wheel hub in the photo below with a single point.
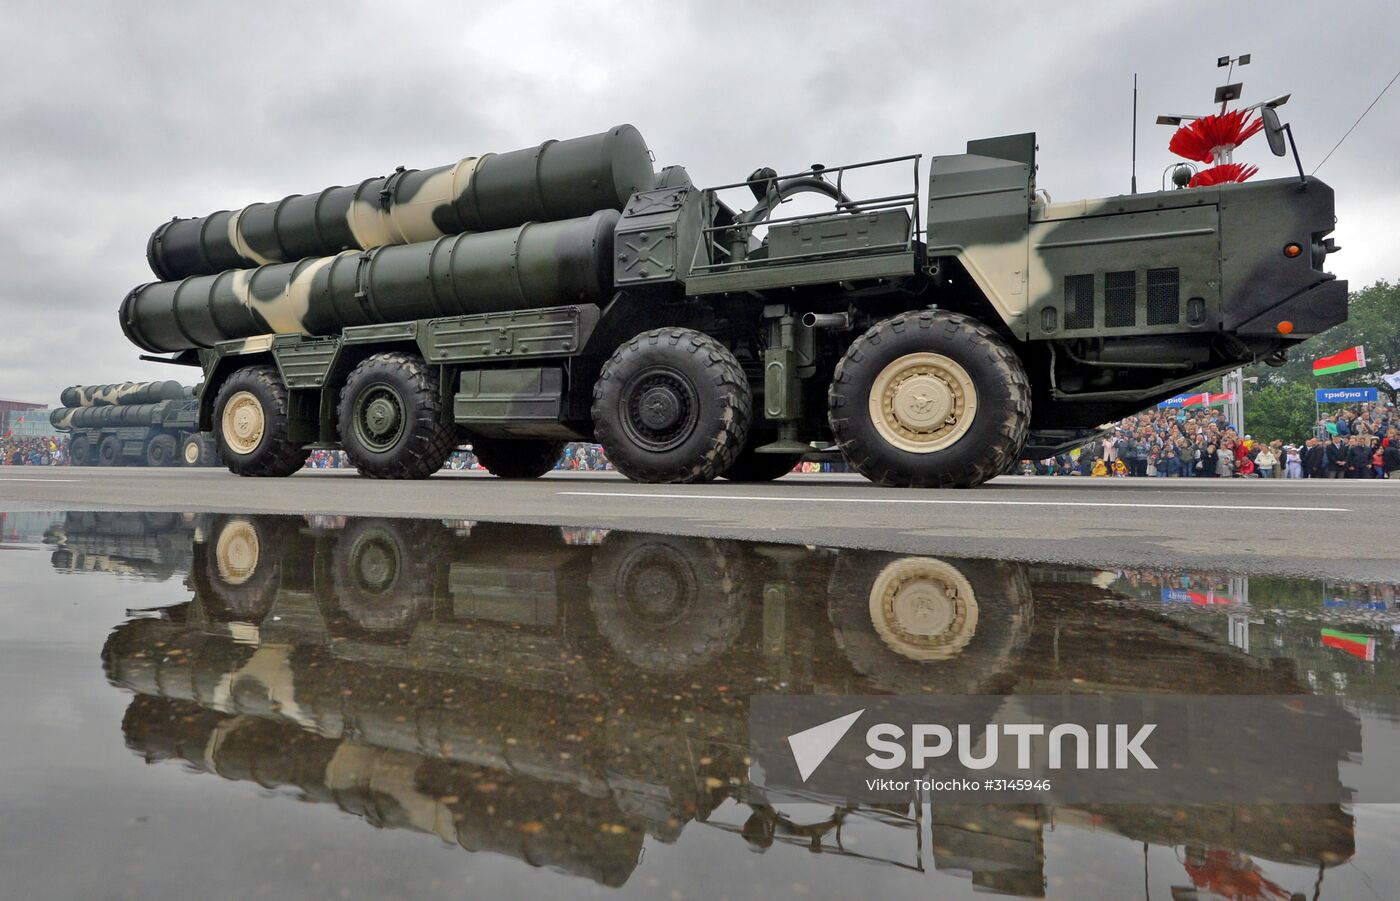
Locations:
(237, 551)
(923, 609)
(923, 402)
(243, 422)
(191, 453)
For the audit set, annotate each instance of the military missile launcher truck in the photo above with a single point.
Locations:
(133, 424)
(516, 301)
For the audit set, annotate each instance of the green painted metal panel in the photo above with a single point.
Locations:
(778, 275)
(492, 399)
(555, 332)
(304, 362)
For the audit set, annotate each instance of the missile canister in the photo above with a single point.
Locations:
(538, 264)
(122, 393)
(556, 180)
(108, 417)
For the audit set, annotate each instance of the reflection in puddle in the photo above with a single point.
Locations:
(570, 697)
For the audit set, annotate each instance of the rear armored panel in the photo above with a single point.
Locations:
(979, 211)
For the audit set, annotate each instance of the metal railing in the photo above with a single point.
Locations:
(719, 242)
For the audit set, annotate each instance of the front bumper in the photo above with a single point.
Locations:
(1310, 312)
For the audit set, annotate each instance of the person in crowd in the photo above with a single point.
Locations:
(1358, 458)
(1390, 458)
(1293, 462)
(1315, 459)
(1336, 457)
(1225, 459)
(1265, 461)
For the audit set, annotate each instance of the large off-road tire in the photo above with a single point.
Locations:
(382, 573)
(391, 418)
(79, 451)
(250, 424)
(751, 467)
(198, 450)
(672, 405)
(242, 564)
(109, 452)
(929, 400)
(161, 451)
(915, 625)
(511, 458)
(666, 604)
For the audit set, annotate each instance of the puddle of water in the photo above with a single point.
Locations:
(234, 706)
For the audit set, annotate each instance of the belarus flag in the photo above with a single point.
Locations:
(1363, 646)
(1353, 358)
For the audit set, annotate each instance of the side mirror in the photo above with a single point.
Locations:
(1273, 130)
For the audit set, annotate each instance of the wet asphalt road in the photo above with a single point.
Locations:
(1324, 529)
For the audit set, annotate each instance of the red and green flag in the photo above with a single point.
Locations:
(1363, 646)
(1351, 358)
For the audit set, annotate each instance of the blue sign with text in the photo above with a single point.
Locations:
(1346, 395)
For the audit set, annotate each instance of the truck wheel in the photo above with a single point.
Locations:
(109, 451)
(382, 573)
(752, 467)
(242, 565)
(391, 421)
(929, 400)
(916, 625)
(192, 452)
(517, 459)
(666, 604)
(160, 451)
(672, 405)
(250, 424)
(79, 451)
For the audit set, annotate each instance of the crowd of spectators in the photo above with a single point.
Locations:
(51, 451)
(1359, 442)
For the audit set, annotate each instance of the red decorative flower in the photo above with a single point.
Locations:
(1198, 140)
(1224, 174)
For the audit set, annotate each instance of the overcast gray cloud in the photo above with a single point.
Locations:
(115, 117)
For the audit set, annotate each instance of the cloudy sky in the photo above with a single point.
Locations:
(115, 117)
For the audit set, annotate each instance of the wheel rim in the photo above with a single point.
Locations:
(374, 563)
(660, 409)
(923, 402)
(237, 551)
(379, 417)
(244, 422)
(923, 609)
(191, 452)
(657, 586)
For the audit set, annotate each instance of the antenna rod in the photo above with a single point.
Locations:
(1134, 132)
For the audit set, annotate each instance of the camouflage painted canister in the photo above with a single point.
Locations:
(556, 180)
(539, 264)
(110, 417)
(122, 393)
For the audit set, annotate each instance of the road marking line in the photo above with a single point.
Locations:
(21, 479)
(892, 500)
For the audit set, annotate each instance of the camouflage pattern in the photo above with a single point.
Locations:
(126, 415)
(121, 393)
(1108, 305)
(531, 266)
(556, 180)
